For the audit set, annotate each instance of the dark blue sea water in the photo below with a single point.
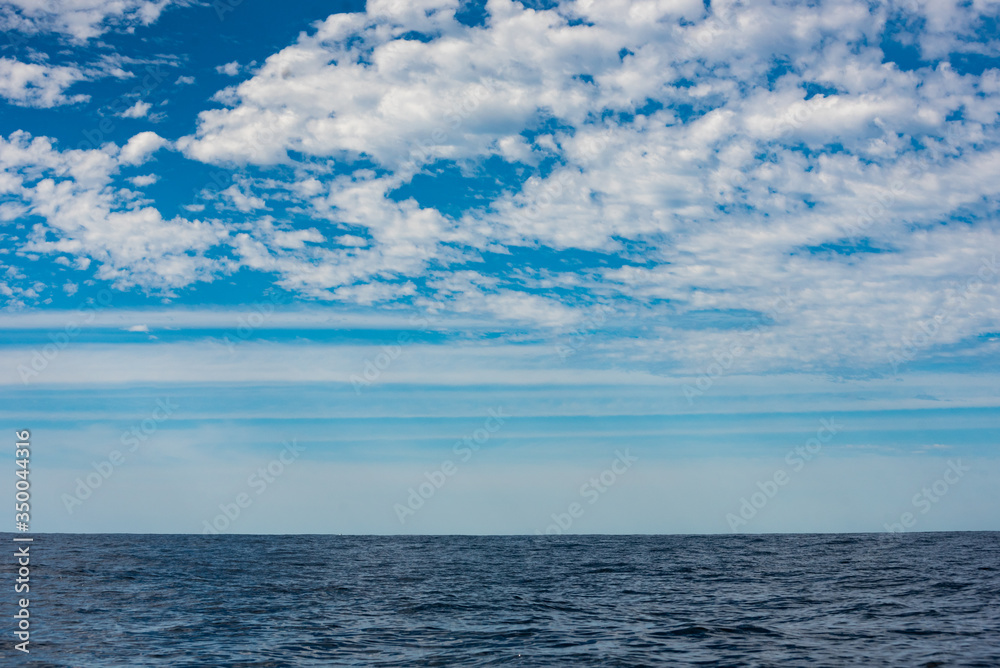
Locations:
(799, 600)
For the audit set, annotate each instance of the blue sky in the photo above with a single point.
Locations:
(667, 239)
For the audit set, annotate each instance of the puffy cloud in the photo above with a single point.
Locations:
(229, 69)
(694, 163)
(140, 147)
(80, 19)
(134, 246)
(144, 180)
(950, 26)
(445, 98)
(38, 85)
(87, 217)
(746, 149)
(137, 110)
(240, 197)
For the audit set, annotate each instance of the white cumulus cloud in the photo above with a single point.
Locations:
(38, 85)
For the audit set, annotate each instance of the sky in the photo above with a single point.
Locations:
(442, 266)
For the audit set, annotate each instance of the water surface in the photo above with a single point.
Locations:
(819, 600)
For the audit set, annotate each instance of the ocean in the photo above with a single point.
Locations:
(924, 599)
